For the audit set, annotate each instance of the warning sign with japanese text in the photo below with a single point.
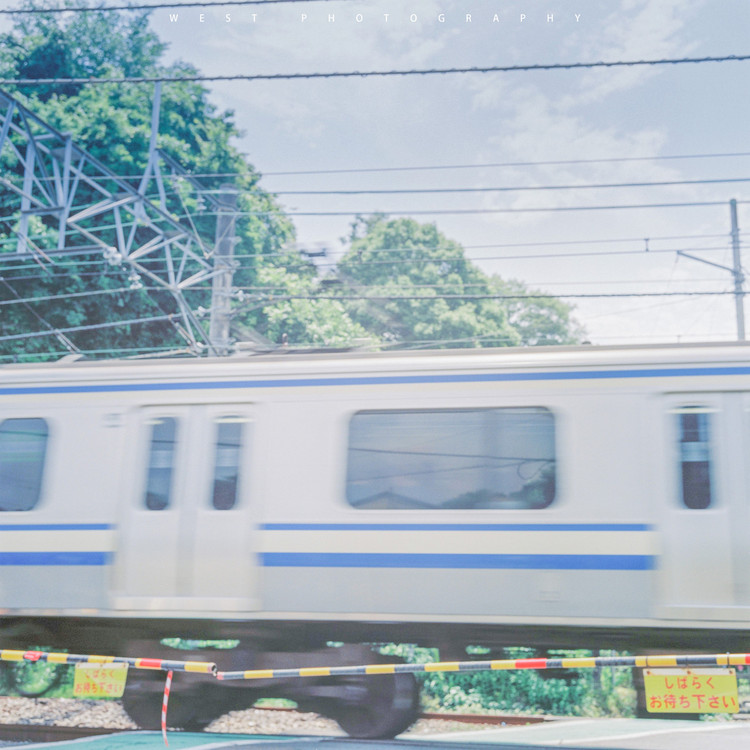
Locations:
(100, 680)
(691, 691)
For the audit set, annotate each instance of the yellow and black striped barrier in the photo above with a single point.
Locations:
(691, 660)
(164, 665)
(200, 667)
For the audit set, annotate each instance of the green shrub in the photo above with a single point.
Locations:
(584, 692)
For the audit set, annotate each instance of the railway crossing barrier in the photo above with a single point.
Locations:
(166, 665)
(691, 660)
(169, 666)
(201, 667)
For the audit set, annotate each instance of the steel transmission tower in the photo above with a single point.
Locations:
(89, 208)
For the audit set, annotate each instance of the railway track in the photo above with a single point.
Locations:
(494, 719)
(23, 733)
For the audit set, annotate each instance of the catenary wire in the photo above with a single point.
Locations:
(390, 298)
(267, 289)
(498, 189)
(535, 256)
(453, 211)
(509, 188)
(91, 327)
(397, 261)
(559, 162)
(153, 6)
(69, 295)
(431, 297)
(547, 243)
(64, 340)
(430, 167)
(58, 261)
(149, 350)
(404, 345)
(171, 318)
(372, 73)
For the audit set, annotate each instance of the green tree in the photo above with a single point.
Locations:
(411, 285)
(113, 123)
(287, 311)
(539, 319)
(417, 286)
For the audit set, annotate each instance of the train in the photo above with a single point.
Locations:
(304, 507)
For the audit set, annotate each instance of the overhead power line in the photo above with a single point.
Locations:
(514, 188)
(279, 290)
(378, 298)
(497, 189)
(95, 326)
(535, 256)
(557, 162)
(93, 249)
(151, 6)
(372, 73)
(122, 352)
(259, 291)
(64, 340)
(69, 295)
(428, 297)
(432, 167)
(451, 211)
(97, 262)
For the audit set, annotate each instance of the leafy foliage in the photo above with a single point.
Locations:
(585, 692)
(113, 123)
(438, 295)
(539, 320)
(44, 46)
(291, 313)
(33, 679)
(401, 283)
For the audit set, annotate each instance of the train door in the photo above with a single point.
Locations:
(186, 536)
(705, 558)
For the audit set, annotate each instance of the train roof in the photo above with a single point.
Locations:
(293, 363)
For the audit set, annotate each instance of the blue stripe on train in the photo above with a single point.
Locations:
(55, 558)
(456, 561)
(658, 372)
(456, 527)
(57, 527)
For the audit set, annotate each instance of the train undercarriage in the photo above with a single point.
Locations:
(367, 707)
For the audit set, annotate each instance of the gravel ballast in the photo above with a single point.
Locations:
(70, 712)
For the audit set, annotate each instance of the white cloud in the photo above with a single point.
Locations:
(637, 30)
(513, 117)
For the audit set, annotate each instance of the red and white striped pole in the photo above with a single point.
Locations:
(164, 703)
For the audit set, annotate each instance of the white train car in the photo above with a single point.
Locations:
(581, 496)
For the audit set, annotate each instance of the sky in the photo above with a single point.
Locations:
(519, 129)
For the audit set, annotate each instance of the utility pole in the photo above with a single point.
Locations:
(221, 292)
(739, 277)
(735, 270)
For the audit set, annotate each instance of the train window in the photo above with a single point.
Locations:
(694, 433)
(161, 463)
(23, 449)
(227, 461)
(452, 459)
